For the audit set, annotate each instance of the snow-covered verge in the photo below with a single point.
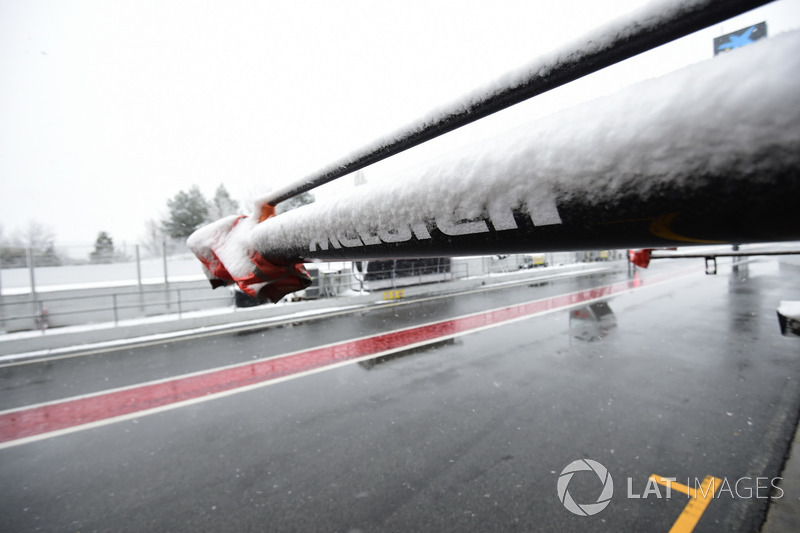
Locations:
(736, 116)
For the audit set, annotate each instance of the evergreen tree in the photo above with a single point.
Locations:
(223, 205)
(188, 210)
(103, 249)
(48, 257)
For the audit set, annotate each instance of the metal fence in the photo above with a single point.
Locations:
(105, 305)
(28, 310)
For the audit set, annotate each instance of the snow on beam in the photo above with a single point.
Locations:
(708, 154)
(653, 25)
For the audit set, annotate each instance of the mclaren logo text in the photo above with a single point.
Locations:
(496, 217)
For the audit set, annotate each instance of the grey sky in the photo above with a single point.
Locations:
(107, 109)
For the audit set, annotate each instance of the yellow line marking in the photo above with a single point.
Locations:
(671, 484)
(699, 498)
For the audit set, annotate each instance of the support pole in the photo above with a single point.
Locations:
(164, 261)
(31, 273)
(164, 264)
(138, 269)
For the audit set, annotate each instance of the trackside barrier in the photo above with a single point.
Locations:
(44, 310)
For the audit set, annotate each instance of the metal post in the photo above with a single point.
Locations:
(179, 303)
(166, 278)
(114, 303)
(2, 306)
(139, 279)
(138, 269)
(41, 320)
(29, 254)
(164, 260)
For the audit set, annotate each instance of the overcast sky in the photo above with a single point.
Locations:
(109, 108)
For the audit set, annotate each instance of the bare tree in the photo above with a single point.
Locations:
(41, 240)
(153, 238)
(36, 235)
(11, 254)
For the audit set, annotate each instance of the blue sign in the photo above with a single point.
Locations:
(740, 38)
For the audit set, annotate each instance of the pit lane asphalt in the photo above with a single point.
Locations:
(468, 434)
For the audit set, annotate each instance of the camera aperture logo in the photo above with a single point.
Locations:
(585, 509)
(710, 488)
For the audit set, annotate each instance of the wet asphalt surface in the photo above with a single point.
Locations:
(686, 379)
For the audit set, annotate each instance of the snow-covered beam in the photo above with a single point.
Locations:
(708, 154)
(657, 23)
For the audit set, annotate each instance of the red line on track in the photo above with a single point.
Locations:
(69, 413)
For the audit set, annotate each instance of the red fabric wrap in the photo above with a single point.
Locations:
(227, 257)
(640, 258)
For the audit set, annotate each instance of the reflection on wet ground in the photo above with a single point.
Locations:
(592, 322)
(369, 364)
